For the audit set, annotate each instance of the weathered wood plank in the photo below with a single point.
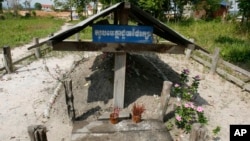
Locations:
(236, 68)
(200, 60)
(69, 99)
(37, 49)
(165, 96)
(204, 53)
(230, 77)
(215, 60)
(119, 80)
(7, 59)
(37, 133)
(189, 50)
(116, 47)
(120, 64)
(199, 133)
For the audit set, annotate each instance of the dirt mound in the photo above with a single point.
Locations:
(93, 83)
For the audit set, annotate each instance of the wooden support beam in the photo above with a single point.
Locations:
(215, 60)
(165, 96)
(198, 133)
(117, 47)
(189, 50)
(120, 64)
(37, 133)
(69, 99)
(119, 79)
(37, 49)
(7, 59)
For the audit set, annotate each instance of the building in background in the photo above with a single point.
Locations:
(233, 9)
(46, 7)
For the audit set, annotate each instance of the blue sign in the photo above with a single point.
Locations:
(122, 34)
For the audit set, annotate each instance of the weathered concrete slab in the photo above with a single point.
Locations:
(147, 130)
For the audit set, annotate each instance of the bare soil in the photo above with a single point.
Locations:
(25, 93)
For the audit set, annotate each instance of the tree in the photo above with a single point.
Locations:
(38, 6)
(244, 6)
(210, 6)
(1, 6)
(27, 4)
(152, 6)
(15, 5)
(69, 4)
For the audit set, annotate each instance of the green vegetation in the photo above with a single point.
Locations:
(230, 37)
(216, 130)
(18, 31)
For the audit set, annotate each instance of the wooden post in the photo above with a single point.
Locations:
(37, 133)
(37, 49)
(78, 36)
(198, 133)
(165, 96)
(69, 99)
(215, 60)
(189, 50)
(119, 82)
(7, 59)
(120, 65)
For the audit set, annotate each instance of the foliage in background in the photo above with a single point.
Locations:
(231, 37)
(152, 6)
(18, 31)
(38, 6)
(1, 6)
(244, 6)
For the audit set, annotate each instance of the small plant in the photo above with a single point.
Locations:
(170, 124)
(115, 112)
(184, 76)
(216, 130)
(137, 111)
(114, 115)
(183, 91)
(187, 114)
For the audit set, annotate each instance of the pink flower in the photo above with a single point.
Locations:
(197, 78)
(200, 109)
(186, 105)
(176, 85)
(191, 105)
(178, 118)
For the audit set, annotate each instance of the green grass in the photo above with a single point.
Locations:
(19, 31)
(230, 37)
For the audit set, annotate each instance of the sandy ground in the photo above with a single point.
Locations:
(26, 92)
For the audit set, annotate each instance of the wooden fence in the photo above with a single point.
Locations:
(9, 62)
(227, 70)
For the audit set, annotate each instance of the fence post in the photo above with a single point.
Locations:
(198, 133)
(165, 96)
(189, 50)
(7, 59)
(37, 133)
(37, 49)
(215, 60)
(77, 36)
(69, 99)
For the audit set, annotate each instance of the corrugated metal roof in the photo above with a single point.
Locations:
(138, 15)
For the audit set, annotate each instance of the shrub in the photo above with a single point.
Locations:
(33, 13)
(184, 91)
(187, 114)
